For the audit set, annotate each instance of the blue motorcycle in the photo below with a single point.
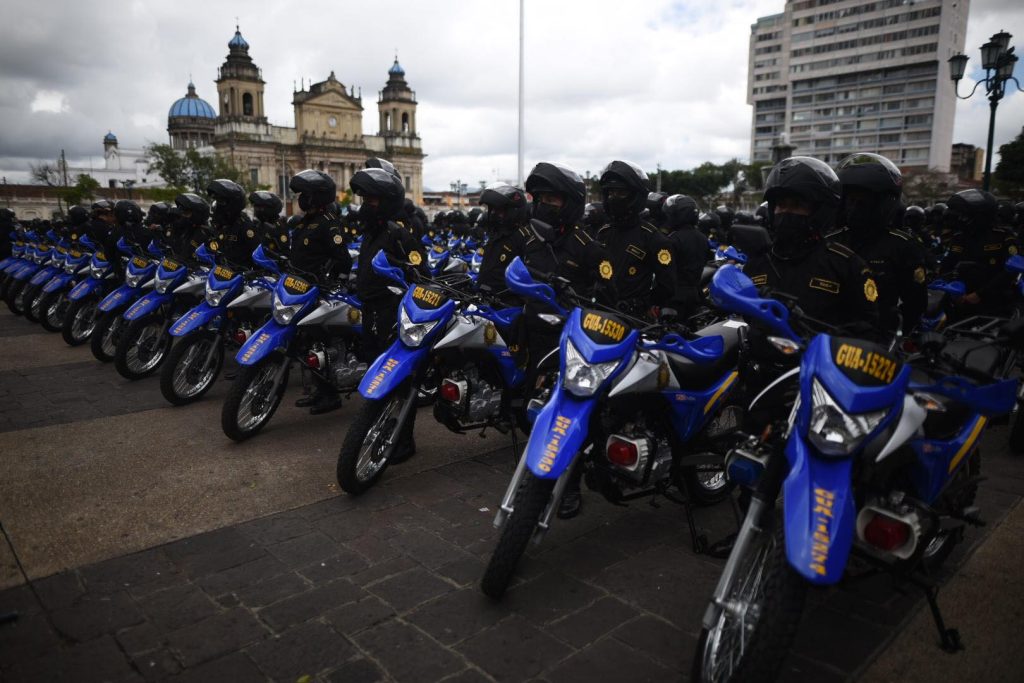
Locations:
(462, 338)
(206, 331)
(39, 257)
(876, 465)
(84, 298)
(53, 303)
(641, 407)
(145, 340)
(317, 324)
(22, 245)
(53, 267)
(110, 322)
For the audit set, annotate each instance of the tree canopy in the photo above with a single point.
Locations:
(188, 170)
(1008, 177)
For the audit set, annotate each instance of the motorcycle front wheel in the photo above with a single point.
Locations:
(186, 375)
(30, 302)
(254, 397)
(52, 308)
(756, 627)
(106, 334)
(14, 297)
(142, 347)
(371, 441)
(530, 501)
(80, 321)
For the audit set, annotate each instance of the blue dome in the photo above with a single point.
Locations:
(192, 105)
(396, 69)
(109, 137)
(238, 40)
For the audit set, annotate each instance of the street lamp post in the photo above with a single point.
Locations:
(128, 185)
(458, 187)
(998, 60)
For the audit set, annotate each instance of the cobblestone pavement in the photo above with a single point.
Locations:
(383, 587)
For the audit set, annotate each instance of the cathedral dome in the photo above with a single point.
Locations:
(192, 105)
(238, 41)
(396, 69)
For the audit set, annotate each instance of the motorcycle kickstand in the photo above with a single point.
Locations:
(949, 638)
(700, 541)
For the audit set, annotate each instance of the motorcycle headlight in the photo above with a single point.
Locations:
(583, 378)
(132, 279)
(97, 273)
(70, 268)
(832, 431)
(283, 313)
(161, 285)
(412, 334)
(214, 296)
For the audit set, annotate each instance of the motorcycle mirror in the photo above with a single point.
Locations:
(733, 291)
(123, 247)
(383, 267)
(153, 249)
(86, 242)
(1015, 264)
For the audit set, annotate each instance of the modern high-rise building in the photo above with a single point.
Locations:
(832, 77)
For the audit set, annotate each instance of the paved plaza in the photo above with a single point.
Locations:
(157, 549)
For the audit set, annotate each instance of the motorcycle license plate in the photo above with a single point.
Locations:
(222, 273)
(295, 285)
(138, 262)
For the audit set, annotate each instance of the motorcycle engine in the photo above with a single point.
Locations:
(346, 370)
(636, 455)
(477, 400)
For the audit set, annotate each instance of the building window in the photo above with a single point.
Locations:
(247, 104)
(405, 122)
(254, 176)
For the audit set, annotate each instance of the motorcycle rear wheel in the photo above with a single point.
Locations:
(180, 381)
(80, 321)
(53, 306)
(252, 399)
(531, 499)
(142, 347)
(30, 299)
(768, 590)
(13, 297)
(371, 441)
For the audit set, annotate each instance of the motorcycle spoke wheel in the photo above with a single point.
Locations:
(380, 441)
(258, 400)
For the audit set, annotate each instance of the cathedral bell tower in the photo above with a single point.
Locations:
(240, 85)
(397, 107)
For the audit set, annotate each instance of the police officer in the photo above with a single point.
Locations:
(188, 228)
(383, 196)
(317, 243)
(725, 220)
(103, 230)
(689, 248)
(559, 247)
(641, 255)
(270, 229)
(235, 235)
(872, 186)
(78, 220)
(129, 219)
(831, 283)
(504, 222)
(977, 252)
(655, 206)
(594, 217)
(709, 225)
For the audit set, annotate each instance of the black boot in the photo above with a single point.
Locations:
(570, 505)
(324, 403)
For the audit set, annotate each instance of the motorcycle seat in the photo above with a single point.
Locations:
(699, 376)
(975, 355)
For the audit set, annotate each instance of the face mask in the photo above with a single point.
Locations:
(547, 213)
(791, 229)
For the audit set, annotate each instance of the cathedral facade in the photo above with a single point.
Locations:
(328, 133)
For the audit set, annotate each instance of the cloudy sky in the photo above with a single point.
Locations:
(653, 81)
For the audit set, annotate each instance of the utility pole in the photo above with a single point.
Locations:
(659, 177)
(519, 177)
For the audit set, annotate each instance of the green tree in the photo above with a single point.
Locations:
(84, 188)
(1008, 177)
(189, 170)
(50, 175)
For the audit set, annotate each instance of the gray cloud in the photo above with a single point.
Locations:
(650, 80)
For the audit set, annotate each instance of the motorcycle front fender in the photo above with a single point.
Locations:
(390, 369)
(559, 432)
(273, 335)
(121, 296)
(146, 305)
(26, 271)
(43, 276)
(85, 288)
(195, 319)
(819, 513)
(58, 282)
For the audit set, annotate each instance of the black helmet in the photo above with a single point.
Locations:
(913, 217)
(506, 206)
(762, 214)
(1005, 212)
(708, 223)
(316, 189)
(127, 211)
(656, 205)
(474, 214)
(228, 198)
(624, 175)
(7, 215)
(158, 213)
(744, 218)
(456, 217)
(973, 208)
(1019, 209)
(594, 216)
(101, 206)
(547, 177)
(872, 172)
(266, 205)
(680, 211)
(376, 182)
(293, 221)
(810, 180)
(440, 217)
(725, 215)
(194, 207)
(77, 215)
(384, 164)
